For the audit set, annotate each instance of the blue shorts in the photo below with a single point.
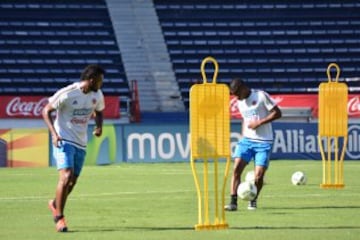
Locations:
(69, 156)
(259, 151)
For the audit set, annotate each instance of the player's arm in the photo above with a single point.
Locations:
(98, 123)
(274, 114)
(46, 114)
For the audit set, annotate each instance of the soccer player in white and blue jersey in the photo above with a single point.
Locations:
(258, 110)
(74, 104)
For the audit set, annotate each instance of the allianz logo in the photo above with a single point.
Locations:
(297, 141)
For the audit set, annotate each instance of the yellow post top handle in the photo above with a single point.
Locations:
(203, 63)
(328, 71)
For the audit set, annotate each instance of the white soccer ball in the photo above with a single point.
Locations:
(298, 178)
(247, 191)
(250, 176)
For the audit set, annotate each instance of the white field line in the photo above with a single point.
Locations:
(179, 192)
(80, 196)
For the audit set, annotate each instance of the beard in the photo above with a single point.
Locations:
(94, 88)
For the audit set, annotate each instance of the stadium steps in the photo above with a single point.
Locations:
(145, 55)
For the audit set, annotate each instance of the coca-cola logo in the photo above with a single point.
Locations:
(354, 106)
(79, 120)
(17, 107)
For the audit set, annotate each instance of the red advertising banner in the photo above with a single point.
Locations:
(302, 100)
(31, 106)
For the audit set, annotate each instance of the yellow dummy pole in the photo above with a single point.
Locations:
(333, 125)
(210, 142)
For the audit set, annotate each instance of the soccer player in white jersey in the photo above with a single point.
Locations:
(74, 104)
(258, 110)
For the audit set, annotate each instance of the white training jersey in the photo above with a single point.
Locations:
(255, 107)
(74, 109)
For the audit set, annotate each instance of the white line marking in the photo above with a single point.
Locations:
(78, 196)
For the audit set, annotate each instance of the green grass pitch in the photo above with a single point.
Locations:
(158, 201)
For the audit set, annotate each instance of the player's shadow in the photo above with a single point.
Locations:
(129, 228)
(311, 207)
(205, 148)
(294, 228)
(259, 228)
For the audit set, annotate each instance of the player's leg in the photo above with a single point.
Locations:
(67, 182)
(259, 181)
(73, 182)
(242, 156)
(62, 189)
(239, 166)
(79, 160)
(259, 178)
(64, 156)
(261, 158)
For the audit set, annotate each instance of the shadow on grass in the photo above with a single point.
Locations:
(295, 227)
(311, 207)
(129, 228)
(122, 229)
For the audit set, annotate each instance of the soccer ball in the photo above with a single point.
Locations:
(298, 178)
(247, 191)
(250, 176)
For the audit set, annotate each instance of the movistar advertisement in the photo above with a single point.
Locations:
(134, 143)
(107, 148)
(171, 143)
(154, 143)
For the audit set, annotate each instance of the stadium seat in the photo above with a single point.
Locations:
(262, 41)
(47, 53)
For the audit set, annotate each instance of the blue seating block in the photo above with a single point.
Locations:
(263, 42)
(38, 56)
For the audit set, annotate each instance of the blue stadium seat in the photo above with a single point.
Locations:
(50, 52)
(276, 46)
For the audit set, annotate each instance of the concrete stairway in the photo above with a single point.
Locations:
(145, 54)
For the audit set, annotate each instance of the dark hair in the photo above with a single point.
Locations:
(236, 84)
(92, 71)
